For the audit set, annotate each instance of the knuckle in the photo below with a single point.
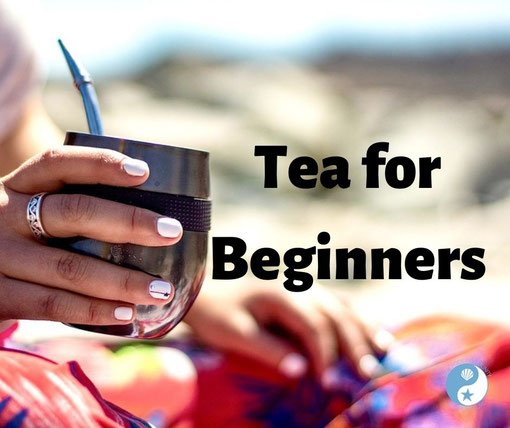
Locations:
(132, 286)
(77, 208)
(93, 312)
(72, 267)
(51, 155)
(106, 159)
(103, 159)
(134, 215)
(126, 280)
(53, 306)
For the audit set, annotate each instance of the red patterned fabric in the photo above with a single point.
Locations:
(39, 393)
(414, 394)
(217, 390)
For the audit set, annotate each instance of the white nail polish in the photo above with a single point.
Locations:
(160, 289)
(370, 366)
(123, 313)
(293, 365)
(384, 339)
(169, 227)
(135, 167)
(331, 378)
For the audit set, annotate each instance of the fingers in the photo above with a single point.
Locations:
(248, 338)
(355, 344)
(31, 301)
(380, 340)
(360, 343)
(48, 171)
(309, 328)
(275, 352)
(88, 276)
(80, 215)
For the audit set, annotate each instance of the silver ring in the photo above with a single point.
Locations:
(34, 216)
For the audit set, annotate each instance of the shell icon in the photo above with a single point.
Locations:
(467, 374)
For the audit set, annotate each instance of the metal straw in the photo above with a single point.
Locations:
(84, 83)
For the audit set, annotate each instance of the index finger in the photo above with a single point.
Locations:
(50, 170)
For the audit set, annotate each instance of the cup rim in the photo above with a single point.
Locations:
(143, 143)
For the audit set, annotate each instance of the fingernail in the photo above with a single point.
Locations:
(169, 227)
(135, 167)
(369, 366)
(331, 378)
(384, 339)
(161, 289)
(293, 365)
(123, 313)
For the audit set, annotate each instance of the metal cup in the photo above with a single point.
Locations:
(178, 187)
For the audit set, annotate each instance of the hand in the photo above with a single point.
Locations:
(314, 323)
(39, 282)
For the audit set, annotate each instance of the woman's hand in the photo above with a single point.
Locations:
(40, 282)
(278, 327)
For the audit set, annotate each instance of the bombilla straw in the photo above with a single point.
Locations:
(84, 83)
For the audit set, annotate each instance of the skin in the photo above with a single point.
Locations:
(33, 134)
(38, 282)
(266, 323)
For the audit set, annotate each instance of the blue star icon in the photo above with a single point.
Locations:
(467, 395)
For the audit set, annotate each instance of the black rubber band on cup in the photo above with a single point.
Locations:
(193, 213)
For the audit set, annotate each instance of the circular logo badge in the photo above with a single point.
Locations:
(467, 384)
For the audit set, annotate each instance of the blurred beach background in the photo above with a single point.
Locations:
(324, 78)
